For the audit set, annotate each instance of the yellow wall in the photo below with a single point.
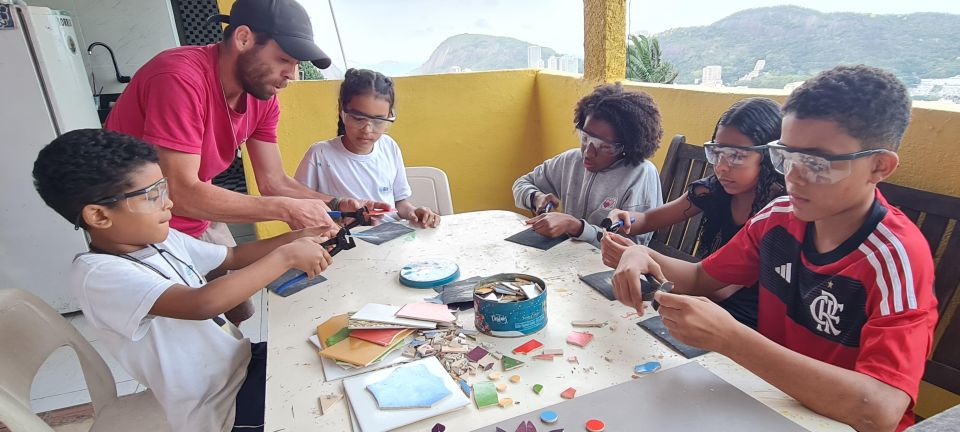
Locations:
(474, 126)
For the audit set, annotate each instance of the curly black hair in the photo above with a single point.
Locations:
(869, 103)
(634, 116)
(86, 165)
(363, 81)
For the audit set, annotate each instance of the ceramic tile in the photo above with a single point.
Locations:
(409, 387)
(51, 403)
(59, 374)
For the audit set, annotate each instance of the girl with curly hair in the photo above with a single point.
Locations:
(618, 131)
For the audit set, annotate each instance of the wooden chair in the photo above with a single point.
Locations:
(934, 214)
(684, 163)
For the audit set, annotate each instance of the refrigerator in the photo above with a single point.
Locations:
(44, 93)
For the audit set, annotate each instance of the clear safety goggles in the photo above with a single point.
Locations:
(814, 167)
(147, 200)
(361, 120)
(599, 145)
(735, 156)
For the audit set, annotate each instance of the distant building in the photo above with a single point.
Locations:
(712, 76)
(757, 68)
(944, 88)
(455, 69)
(534, 57)
(570, 64)
(793, 85)
(553, 63)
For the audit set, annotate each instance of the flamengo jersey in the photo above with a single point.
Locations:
(867, 306)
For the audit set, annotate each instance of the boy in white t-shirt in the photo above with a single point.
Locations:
(142, 285)
(363, 162)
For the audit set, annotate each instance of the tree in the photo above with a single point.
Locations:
(309, 72)
(644, 61)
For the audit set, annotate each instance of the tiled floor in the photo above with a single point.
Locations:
(59, 383)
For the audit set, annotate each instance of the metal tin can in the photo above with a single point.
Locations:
(512, 319)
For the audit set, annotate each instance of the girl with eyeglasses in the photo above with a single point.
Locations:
(363, 161)
(618, 131)
(744, 181)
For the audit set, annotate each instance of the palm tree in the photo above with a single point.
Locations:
(644, 61)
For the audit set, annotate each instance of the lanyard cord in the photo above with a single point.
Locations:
(151, 267)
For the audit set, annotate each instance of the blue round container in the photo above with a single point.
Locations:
(429, 274)
(514, 319)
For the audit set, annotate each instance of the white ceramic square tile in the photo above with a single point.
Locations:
(264, 315)
(65, 400)
(251, 327)
(128, 387)
(60, 374)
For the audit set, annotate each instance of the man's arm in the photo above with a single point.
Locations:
(271, 179)
(857, 399)
(194, 198)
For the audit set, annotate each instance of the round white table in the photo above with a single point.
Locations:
(369, 273)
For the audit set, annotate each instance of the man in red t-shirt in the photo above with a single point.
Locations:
(846, 303)
(198, 104)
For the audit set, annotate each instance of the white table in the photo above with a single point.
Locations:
(369, 273)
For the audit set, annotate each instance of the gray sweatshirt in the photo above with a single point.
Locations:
(590, 196)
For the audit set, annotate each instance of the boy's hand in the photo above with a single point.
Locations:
(612, 247)
(697, 321)
(555, 225)
(425, 218)
(540, 202)
(308, 255)
(634, 263)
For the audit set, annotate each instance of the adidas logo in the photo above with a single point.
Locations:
(784, 271)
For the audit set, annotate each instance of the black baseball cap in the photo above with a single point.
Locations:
(286, 21)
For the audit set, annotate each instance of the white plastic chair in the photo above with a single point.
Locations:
(32, 330)
(430, 188)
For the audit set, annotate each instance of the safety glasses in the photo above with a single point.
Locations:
(735, 156)
(147, 200)
(360, 120)
(814, 167)
(599, 145)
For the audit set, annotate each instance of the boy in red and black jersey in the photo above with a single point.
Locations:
(847, 308)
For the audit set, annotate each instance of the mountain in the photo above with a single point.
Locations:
(797, 43)
(479, 52)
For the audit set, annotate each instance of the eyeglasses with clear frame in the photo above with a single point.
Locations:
(815, 167)
(147, 200)
(599, 144)
(734, 156)
(361, 120)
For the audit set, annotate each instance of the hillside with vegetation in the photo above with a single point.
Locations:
(479, 53)
(797, 43)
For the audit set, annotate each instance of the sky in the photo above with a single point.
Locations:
(407, 31)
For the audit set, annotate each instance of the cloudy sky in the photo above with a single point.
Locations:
(407, 31)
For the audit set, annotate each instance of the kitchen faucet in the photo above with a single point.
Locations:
(122, 78)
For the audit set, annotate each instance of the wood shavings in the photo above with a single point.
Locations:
(590, 323)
